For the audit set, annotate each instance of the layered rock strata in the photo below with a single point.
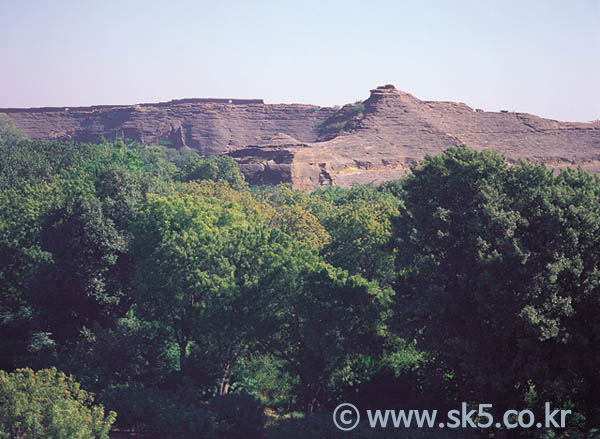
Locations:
(308, 146)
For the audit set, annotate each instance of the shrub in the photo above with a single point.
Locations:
(149, 409)
(8, 132)
(265, 377)
(49, 405)
(239, 415)
(337, 126)
(358, 109)
(173, 415)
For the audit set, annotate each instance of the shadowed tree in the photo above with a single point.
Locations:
(494, 262)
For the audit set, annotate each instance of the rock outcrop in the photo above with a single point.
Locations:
(210, 126)
(309, 146)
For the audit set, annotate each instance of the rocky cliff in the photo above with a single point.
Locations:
(210, 126)
(310, 146)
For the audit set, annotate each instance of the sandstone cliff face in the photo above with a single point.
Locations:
(309, 146)
(210, 126)
(396, 129)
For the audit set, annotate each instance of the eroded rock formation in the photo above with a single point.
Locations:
(210, 126)
(310, 146)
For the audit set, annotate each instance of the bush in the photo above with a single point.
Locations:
(239, 415)
(358, 110)
(173, 415)
(265, 377)
(149, 409)
(49, 405)
(8, 132)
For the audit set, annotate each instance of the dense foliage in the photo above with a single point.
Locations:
(48, 405)
(190, 302)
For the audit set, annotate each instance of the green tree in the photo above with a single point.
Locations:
(206, 270)
(265, 376)
(213, 168)
(80, 284)
(20, 259)
(327, 317)
(49, 405)
(491, 261)
(562, 236)
(360, 232)
(179, 262)
(9, 134)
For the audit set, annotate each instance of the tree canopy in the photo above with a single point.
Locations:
(189, 301)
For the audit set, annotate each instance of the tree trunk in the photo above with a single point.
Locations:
(311, 400)
(182, 356)
(224, 387)
(309, 407)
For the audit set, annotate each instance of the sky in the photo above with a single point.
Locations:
(540, 57)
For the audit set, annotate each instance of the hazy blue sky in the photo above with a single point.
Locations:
(541, 57)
